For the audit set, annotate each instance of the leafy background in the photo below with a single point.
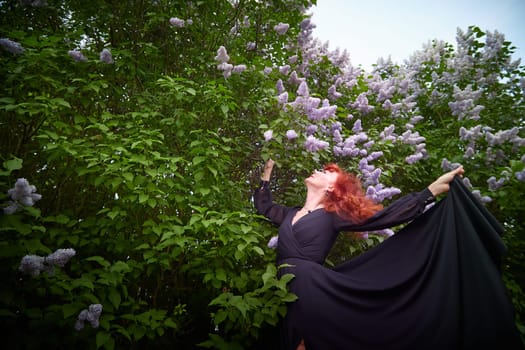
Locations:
(146, 164)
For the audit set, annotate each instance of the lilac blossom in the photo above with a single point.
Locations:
(493, 45)
(12, 46)
(267, 70)
(333, 94)
(311, 129)
(77, 55)
(268, 135)
(374, 155)
(239, 68)
(494, 184)
(520, 175)
(361, 104)
(177, 22)
(369, 144)
(303, 89)
(283, 98)
(294, 79)
(293, 59)
(273, 242)
(22, 194)
(291, 134)
(446, 165)
(481, 198)
(364, 166)
(411, 138)
(469, 152)
(471, 134)
(338, 138)
(284, 70)
(60, 257)
(464, 106)
(502, 136)
(246, 22)
(379, 193)
(33, 264)
(226, 68)
(91, 315)
(322, 113)
(106, 57)
(386, 93)
(250, 46)
(222, 55)
(281, 28)
(467, 183)
(357, 126)
(413, 158)
(388, 133)
(371, 177)
(312, 144)
(279, 86)
(416, 119)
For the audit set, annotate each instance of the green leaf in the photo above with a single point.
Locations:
(13, 164)
(114, 297)
(258, 250)
(100, 260)
(102, 338)
(143, 197)
(197, 160)
(71, 309)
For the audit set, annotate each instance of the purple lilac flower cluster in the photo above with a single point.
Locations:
(464, 106)
(34, 265)
(22, 194)
(106, 57)
(281, 28)
(12, 46)
(77, 55)
(227, 68)
(273, 242)
(91, 315)
(180, 23)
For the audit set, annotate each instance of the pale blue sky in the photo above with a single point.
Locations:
(397, 28)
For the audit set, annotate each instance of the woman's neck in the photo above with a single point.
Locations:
(314, 200)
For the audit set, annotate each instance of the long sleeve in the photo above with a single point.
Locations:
(401, 211)
(264, 204)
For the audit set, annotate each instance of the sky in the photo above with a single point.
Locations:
(369, 29)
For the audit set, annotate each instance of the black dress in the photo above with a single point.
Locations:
(435, 284)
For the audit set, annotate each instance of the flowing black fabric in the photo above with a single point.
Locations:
(435, 284)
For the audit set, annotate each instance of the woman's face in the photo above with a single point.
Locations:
(322, 179)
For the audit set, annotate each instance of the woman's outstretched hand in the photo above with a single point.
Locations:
(442, 184)
(267, 172)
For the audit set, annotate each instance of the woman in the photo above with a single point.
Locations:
(398, 295)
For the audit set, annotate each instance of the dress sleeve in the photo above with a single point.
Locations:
(264, 204)
(401, 211)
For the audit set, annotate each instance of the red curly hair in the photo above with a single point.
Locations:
(348, 199)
